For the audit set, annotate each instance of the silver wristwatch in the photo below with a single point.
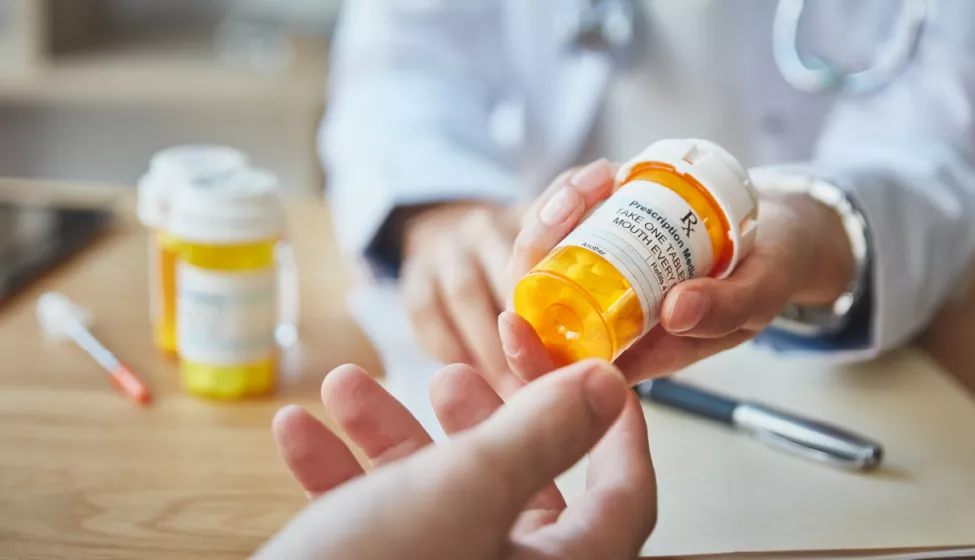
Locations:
(818, 321)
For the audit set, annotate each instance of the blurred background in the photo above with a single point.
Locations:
(90, 89)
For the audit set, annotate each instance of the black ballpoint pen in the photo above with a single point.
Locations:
(801, 436)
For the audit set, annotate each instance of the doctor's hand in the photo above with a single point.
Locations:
(454, 284)
(488, 492)
(802, 255)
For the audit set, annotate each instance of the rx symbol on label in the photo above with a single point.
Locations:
(689, 221)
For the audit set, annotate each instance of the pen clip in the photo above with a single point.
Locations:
(808, 438)
(796, 448)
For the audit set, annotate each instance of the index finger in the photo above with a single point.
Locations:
(577, 176)
(557, 212)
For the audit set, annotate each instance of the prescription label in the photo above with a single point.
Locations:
(652, 237)
(225, 318)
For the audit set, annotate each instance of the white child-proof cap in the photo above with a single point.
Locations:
(721, 174)
(174, 168)
(241, 207)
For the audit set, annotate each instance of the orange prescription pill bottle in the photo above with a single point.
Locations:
(226, 232)
(169, 171)
(682, 209)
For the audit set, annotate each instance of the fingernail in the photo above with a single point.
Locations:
(509, 342)
(605, 390)
(592, 176)
(687, 311)
(559, 208)
(286, 412)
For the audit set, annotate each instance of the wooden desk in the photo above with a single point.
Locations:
(84, 473)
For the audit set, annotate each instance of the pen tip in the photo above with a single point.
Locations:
(872, 458)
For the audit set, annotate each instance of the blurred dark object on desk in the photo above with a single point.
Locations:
(35, 238)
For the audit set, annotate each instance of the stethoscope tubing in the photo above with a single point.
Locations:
(610, 26)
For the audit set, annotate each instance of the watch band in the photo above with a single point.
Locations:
(818, 321)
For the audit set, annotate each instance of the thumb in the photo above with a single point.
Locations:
(542, 431)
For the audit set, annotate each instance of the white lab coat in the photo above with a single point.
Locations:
(418, 86)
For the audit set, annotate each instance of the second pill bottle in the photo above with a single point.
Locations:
(226, 231)
(683, 209)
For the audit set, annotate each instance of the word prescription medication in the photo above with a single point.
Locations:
(169, 171)
(682, 209)
(226, 312)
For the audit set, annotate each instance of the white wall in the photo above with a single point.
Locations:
(162, 12)
(94, 140)
(114, 144)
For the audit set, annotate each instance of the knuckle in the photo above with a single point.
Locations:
(733, 316)
(563, 178)
(480, 219)
(779, 269)
(527, 243)
(424, 305)
(768, 313)
(737, 319)
(435, 337)
(520, 245)
(461, 292)
(461, 283)
(764, 317)
(444, 351)
(669, 358)
(419, 297)
(411, 267)
(493, 471)
(643, 484)
(485, 228)
(741, 309)
(421, 313)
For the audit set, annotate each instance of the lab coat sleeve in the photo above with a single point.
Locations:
(411, 94)
(907, 157)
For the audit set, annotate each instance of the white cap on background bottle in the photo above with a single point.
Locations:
(240, 207)
(176, 167)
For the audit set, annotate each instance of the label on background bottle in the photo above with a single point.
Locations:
(225, 318)
(652, 237)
